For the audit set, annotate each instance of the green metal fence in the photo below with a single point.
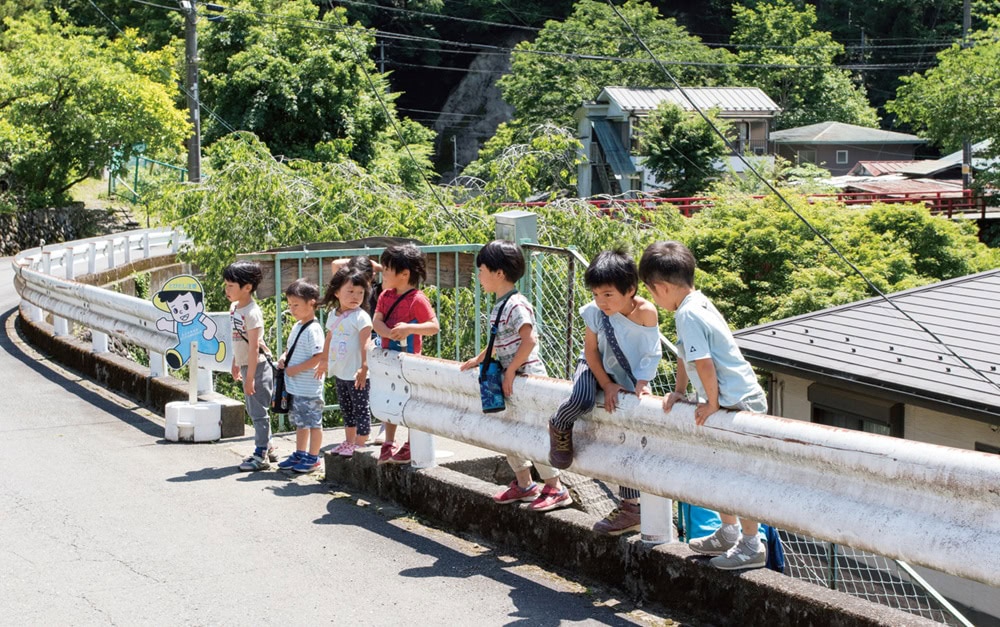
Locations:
(139, 174)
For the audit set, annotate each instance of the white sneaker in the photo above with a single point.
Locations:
(714, 544)
(738, 558)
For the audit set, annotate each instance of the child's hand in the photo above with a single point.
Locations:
(703, 411)
(611, 391)
(281, 363)
(320, 371)
(400, 332)
(508, 382)
(249, 388)
(670, 399)
(235, 370)
(360, 377)
(641, 389)
(469, 365)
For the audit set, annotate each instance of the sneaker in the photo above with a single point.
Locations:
(402, 456)
(272, 454)
(347, 450)
(307, 463)
(551, 499)
(516, 493)
(254, 462)
(380, 436)
(560, 448)
(340, 447)
(292, 460)
(385, 454)
(740, 558)
(622, 519)
(714, 544)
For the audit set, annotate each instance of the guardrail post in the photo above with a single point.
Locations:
(98, 341)
(46, 262)
(656, 524)
(109, 252)
(92, 258)
(157, 364)
(69, 259)
(127, 245)
(422, 451)
(175, 241)
(145, 245)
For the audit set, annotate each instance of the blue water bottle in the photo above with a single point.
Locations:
(491, 387)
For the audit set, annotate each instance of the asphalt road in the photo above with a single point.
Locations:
(102, 522)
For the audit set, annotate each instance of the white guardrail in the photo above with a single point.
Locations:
(44, 278)
(930, 505)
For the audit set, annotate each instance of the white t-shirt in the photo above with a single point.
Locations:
(517, 312)
(346, 343)
(244, 319)
(305, 383)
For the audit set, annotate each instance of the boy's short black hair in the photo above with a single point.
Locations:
(364, 264)
(169, 296)
(667, 262)
(244, 273)
(347, 274)
(406, 257)
(612, 267)
(300, 288)
(502, 255)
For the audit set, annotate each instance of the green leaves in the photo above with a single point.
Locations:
(681, 148)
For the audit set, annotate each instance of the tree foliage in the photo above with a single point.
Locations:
(550, 76)
(681, 148)
(806, 85)
(71, 102)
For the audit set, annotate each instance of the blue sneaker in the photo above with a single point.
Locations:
(292, 460)
(307, 463)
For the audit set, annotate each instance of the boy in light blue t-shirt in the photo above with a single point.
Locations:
(710, 359)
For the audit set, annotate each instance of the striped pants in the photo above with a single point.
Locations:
(581, 400)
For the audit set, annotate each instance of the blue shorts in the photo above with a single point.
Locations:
(306, 412)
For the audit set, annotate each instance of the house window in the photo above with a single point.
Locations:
(805, 156)
(841, 157)
(987, 448)
(850, 410)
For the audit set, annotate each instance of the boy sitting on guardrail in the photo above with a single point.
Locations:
(709, 358)
(620, 353)
(501, 264)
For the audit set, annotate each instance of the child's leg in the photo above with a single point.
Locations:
(346, 400)
(315, 440)
(362, 412)
(258, 403)
(390, 432)
(301, 439)
(522, 470)
(580, 401)
(628, 495)
(550, 476)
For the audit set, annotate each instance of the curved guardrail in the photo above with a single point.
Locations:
(926, 504)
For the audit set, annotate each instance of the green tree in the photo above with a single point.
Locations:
(681, 148)
(551, 77)
(806, 85)
(295, 85)
(71, 103)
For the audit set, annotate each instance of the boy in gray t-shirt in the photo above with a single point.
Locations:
(710, 359)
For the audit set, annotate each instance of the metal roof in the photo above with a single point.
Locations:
(934, 166)
(727, 99)
(615, 152)
(879, 168)
(898, 185)
(840, 133)
(871, 345)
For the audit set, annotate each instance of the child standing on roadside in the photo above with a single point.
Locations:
(300, 361)
(721, 377)
(249, 358)
(501, 264)
(402, 318)
(349, 329)
(621, 352)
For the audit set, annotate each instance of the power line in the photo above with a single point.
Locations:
(434, 15)
(749, 166)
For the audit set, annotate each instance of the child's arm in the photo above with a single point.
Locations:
(321, 369)
(309, 364)
(709, 380)
(405, 329)
(253, 339)
(528, 342)
(593, 356)
(680, 387)
(362, 374)
(378, 323)
(475, 361)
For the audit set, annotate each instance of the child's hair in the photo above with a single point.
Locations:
(244, 273)
(612, 267)
(502, 255)
(667, 262)
(300, 288)
(364, 264)
(405, 257)
(347, 274)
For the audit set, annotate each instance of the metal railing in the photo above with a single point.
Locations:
(143, 171)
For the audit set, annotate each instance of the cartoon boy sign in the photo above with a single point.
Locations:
(182, 298)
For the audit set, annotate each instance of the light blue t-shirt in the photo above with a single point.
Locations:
(702, 333)
(305, 384)
(639, 344)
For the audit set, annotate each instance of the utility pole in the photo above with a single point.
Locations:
(191, 85)
(966, 144)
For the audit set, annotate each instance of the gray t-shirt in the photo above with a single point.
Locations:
(244, 319)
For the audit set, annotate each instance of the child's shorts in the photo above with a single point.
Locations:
(306, 412)
(756, 404)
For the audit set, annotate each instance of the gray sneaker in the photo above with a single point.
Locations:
(738, 558)
(253, 463)
(714, 544)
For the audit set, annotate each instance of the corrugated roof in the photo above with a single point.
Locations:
(895, 185)
(726, 99)
(869, 343)
(879, 168)
(840, 133)
(615, 152)
(932, 167)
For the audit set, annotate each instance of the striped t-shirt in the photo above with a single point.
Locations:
(517, 312)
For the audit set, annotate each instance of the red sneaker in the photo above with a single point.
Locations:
(551, 499)
(516, 493)
(402, 456)
(385, 455)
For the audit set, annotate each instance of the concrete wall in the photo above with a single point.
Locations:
(26, 229)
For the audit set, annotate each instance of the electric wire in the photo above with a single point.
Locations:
(750, 167)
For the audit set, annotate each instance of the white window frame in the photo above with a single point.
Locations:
(842, 161)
